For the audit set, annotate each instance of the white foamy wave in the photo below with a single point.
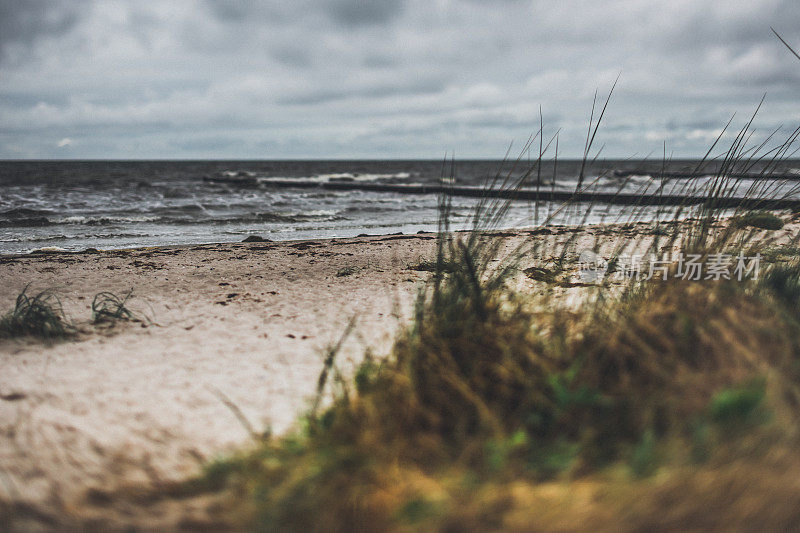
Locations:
(343, 176)
(49, 249)
(321, 213)
(238, 174)
(103, 220)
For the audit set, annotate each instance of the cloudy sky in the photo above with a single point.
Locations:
(384, 78)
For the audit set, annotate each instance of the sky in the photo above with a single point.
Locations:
(387, 79)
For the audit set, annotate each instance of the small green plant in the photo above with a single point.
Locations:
(738, 405)
(40, 315)
(366, 374)
(783, 282)
(499, 451)
(554, 458)
(216, 473)
(107, 307)
(418, 510)
(760, 220)
(701, 443)
(780, 253)
(643, 460)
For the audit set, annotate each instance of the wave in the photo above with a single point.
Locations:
(264, 217)
(238, 174)
(346, 176)
(103, 220)
(327, 178)
(286, 218)
(62, 237)
(24, 216)
(32, 222)
(24, 212)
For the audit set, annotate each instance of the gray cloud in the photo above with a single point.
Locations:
(293, 56)
(323, 95)
(349, 13)
(230, 10)
(365, 12)
(23, 22)
(392, 78)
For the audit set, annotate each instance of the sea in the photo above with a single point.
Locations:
(77, 205)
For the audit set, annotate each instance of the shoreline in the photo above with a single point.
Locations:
(55, 250)
(551, 228)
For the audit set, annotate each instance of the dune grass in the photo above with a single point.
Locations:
(109, 308)
(498, 405)
(39, 315)
(481, 405)
(478, 396)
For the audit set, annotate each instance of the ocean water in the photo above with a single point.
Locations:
(74, 205)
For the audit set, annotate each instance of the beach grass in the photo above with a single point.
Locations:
(39, 315)
(482, 405)
(109, 308)
(497, 407)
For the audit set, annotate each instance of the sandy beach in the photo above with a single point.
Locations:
(228, 331)
(147, 403)
(248, 323)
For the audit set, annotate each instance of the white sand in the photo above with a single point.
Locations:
(140, 403)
